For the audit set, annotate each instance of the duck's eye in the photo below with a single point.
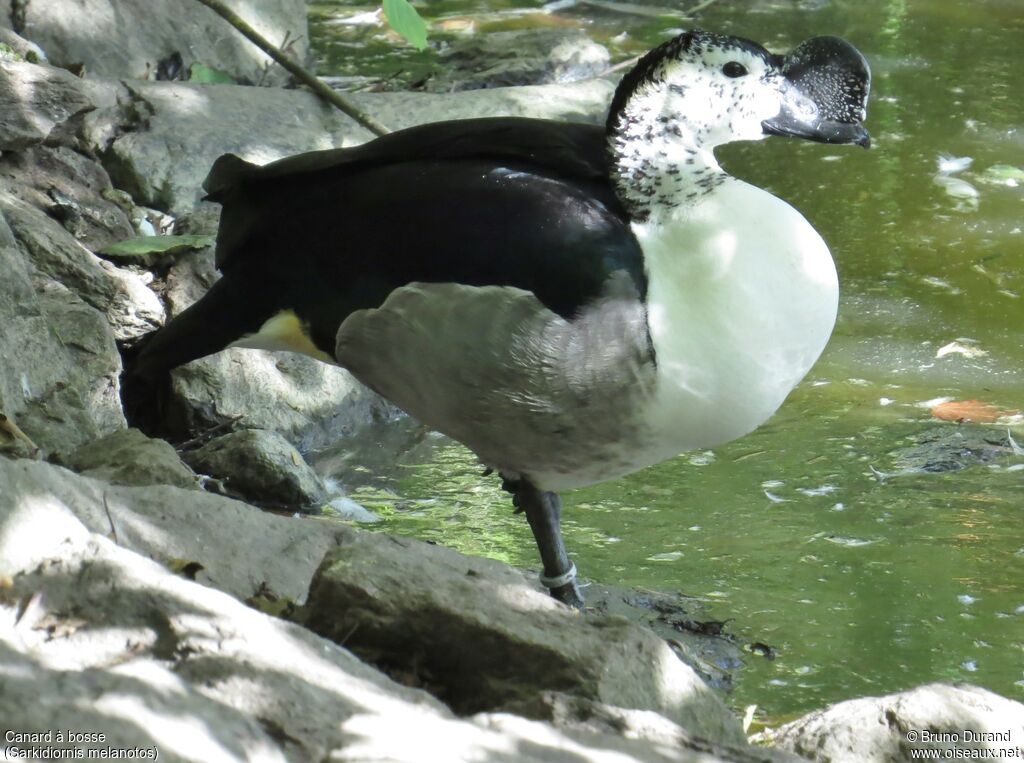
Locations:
(734, 69)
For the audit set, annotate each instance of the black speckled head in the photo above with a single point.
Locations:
(701, 90)
(722, 88)
(828, 86)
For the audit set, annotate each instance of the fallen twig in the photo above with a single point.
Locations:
(110, 518)
(205, 436)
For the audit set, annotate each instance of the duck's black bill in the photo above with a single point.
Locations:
(826, 93)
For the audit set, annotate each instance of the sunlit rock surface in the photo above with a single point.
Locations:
(483, 639)
(97, 638)
(138, 39)
(179, 129)
(952, 722)
(36, 102)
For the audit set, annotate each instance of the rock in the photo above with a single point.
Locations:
(53, 199)
(134, 310)
(683, 622)
(128, 457)
(139, 39)
(945, 448)
(260, 466)
(202, 220)
(474, 632)
(56, 254)
(310, 403)
(569, 712)
(131, 308)
(70, 188)
(163, 141)
(678, 747)
(92, 634)
(967, 719)
(36, 103)
(240, 549)
(521, 57)
(59, 203)
(58, 376)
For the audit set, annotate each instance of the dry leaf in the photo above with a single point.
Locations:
(971, 411)
(9, 428)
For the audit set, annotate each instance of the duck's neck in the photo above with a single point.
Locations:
(659, 165)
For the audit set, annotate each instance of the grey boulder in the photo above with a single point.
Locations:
(202, 122)
(478, 634)
(260, 466)
(60, 366)
(128, 457)
(96, 637)
(36, 103)
(132, 38)
(951, 722)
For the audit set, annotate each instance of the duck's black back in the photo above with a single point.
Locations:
(503, 201)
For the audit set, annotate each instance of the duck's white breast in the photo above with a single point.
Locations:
(742, 299)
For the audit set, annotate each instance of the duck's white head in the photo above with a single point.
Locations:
(701, 90)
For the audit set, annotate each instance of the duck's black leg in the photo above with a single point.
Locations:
(543, 512)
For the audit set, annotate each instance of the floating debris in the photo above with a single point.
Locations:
(966, 347)
(939, 283)
(970, 411)
(814, 491)
(11, 435)
(949, 165)
(367, 18)
(668, 556)
(748, 717)
(703, 458)
(841, 540)
(881, 476)
(345, 508)
(769, 653)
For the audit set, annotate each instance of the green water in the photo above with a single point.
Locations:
(863, 585)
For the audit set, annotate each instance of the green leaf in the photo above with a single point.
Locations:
(202, 74)
(405, 20)
(144, 250)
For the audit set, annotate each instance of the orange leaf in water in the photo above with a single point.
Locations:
(973, 411)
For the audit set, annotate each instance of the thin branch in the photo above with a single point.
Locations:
(699, 7)
(629, 63)
(318, 87)
(203, 437)
(110, 518)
